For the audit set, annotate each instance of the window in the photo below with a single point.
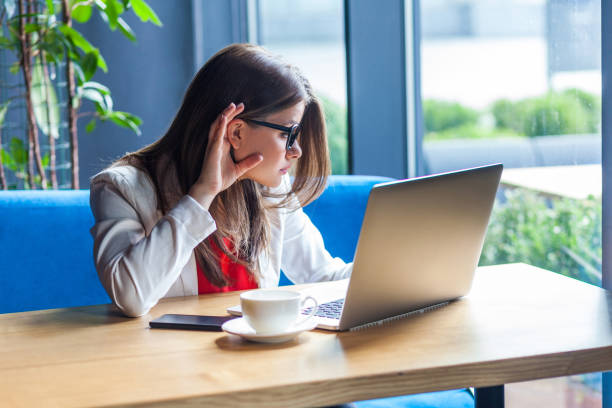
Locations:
(310, 35)
(519, 82)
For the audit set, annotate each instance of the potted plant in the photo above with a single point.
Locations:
(46, 47)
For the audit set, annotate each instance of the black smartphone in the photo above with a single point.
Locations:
(190, 322)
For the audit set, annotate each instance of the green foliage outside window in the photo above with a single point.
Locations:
(558, 234)
(442, 115)
(568, 112)
(572, 111)
(471, 131)
(337, 138)
(557, 113)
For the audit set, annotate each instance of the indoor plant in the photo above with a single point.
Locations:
(45, 45)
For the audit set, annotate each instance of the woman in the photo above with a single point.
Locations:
(210, 206)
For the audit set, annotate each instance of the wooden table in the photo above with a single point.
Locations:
(519, 323)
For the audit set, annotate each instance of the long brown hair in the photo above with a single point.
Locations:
(265, 84)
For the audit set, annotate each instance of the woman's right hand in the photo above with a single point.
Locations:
(219, 171)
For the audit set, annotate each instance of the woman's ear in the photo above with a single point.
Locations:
(236, 133)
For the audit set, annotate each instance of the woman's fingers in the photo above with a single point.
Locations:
(223, 119)
(235, 111)
(218, 166)
(248, 163)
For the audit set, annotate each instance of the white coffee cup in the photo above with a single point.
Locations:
(274, 310)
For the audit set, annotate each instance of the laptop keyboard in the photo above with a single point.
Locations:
(331, 310)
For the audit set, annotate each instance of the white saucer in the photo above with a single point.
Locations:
(241, 328)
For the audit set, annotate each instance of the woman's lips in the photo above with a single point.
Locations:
(285, 170)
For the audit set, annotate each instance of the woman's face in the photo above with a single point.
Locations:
(270, 143)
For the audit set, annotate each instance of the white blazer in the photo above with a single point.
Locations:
(142, 256)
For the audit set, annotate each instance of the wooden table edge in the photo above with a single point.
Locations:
(493, 373)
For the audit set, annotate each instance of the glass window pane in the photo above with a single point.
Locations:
(519, 82)
(310, 35)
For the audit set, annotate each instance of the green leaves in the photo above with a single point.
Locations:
(32, 28)
(91, 125)
(54, 44)
(16, 158)
(7, 43)
(126, 30)
(10, 6)
(126, 120)
(14, 68)
(561, 235)
(52, 41)
(50, 7)
(89, 63)
(144, 12)
(79, 41)
(100, 96)
(81, 10)
(3, 110)
(44, 100)
(337, 140)
(123, 119)
(113, 10)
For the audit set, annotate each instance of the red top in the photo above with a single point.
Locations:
(238, 275)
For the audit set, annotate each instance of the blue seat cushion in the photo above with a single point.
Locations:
(338, 213)
(441, 399)
(46, 256)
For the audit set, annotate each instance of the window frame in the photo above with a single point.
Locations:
(606, 166)
(361, 108)
(385, 123)
(383, 86)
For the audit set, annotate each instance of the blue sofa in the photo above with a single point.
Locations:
(46, 255)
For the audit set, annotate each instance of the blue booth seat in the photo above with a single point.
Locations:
(46, 258)
(339, 211)
(338, 214)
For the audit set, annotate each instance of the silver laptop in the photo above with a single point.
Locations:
(418, 249)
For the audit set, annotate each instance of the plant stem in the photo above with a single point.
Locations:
(47, 84)
(72, 117)
(2, 175)
(34, 145)
(51, 138)
(37, 150)
(24, 58)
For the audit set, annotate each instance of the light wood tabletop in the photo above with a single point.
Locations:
(518, 323)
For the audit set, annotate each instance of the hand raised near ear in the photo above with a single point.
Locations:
(219, 171)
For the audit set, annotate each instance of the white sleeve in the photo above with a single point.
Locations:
(304, 257)
(138, 269)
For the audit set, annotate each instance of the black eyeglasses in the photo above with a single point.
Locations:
(292, 131)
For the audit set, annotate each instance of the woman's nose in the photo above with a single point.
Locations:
(295, 151)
